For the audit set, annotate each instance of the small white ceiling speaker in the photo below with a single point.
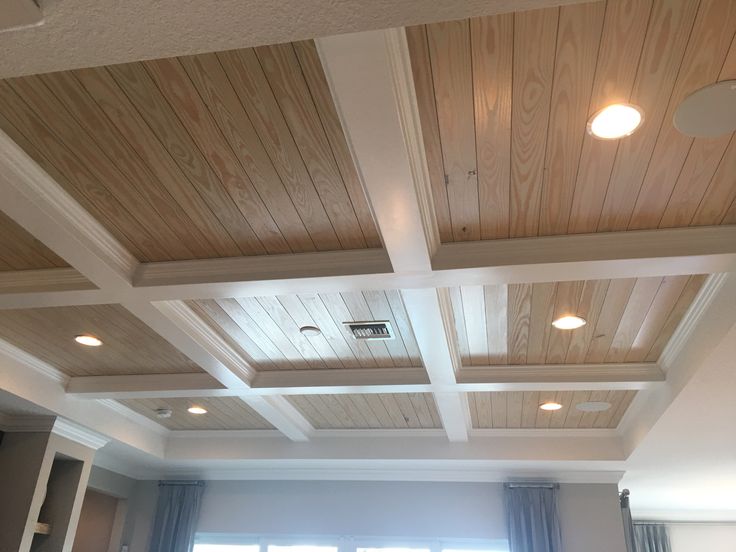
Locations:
(163, 412)
(709, 112)
(593, 406)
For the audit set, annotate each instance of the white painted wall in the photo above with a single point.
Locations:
(589, 514)
(703, 538)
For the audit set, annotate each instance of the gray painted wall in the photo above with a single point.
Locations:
(590, 517)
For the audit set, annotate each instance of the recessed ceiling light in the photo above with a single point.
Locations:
(569, 322)
(615, 121)
(163, 412)
(195, 409)
(593, 406)
(550, 406)
(88, 340)
(310, 331)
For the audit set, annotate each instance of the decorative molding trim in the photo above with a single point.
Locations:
(354, 380)
(690, 320)
(82, 435)
(68, 298)
(27, 189)
(406, 103)
(559, 376)
(457, 472)
(429, 316)
(233, 433)
(47, 279)
(546, 432)
(180, 314)
(282, 415)
(263, 267)
(13, 424)
(134, 416)
(694, 250)
(30, 361)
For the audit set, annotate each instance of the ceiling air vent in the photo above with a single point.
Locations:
(377, 329)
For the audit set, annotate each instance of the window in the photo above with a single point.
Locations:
(250, 543)
(201, 547)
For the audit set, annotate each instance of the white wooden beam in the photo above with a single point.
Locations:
(362, 77)
(322, 264)
(561, 377)
(674, 251)
(431, 318)
(635, 254)
(47, 279)
(591, 377)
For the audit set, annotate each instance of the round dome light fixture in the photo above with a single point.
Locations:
(709, 112)
(196, 409)
(569, 322)
(593, 406)
(310, 331)
(88, 340)
(615, 121)
(550, 406)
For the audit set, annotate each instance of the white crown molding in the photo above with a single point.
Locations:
(692, 317)
(79, 434)
(263, 267)
(229, 433)
(46, 279)
(203, 334)
(390, 471)
(406, 103)
(30, 361)
(134, 416)
(34, 190)
(12, 424)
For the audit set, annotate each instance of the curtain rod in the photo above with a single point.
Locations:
(173, 483)
(532, 485)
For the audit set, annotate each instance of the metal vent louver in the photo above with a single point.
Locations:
(376, 329)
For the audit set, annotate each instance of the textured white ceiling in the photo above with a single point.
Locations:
(88, 33)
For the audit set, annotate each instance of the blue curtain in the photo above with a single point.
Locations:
(532, 520)
(651, 537)
(176, 516)
(628, 523)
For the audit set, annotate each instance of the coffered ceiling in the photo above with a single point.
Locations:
(195, 213)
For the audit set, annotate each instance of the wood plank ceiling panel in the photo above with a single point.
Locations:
(222, 413)
(628, 320)
(528, 82)
(216, 155)
(370, 411)
(19, 250)
(266, 330)
(129, 346)
(520, 409)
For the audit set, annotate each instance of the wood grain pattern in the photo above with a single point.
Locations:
(578, 38)
(449, 48)
(19, 250)
(379, 411)
(563, 65)
(427, 106)
(129, 346)
(535, 36)
(266, 330)
(521, 409)
(492, 57)
(222, 413)
(204, 156)
(628, 320)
